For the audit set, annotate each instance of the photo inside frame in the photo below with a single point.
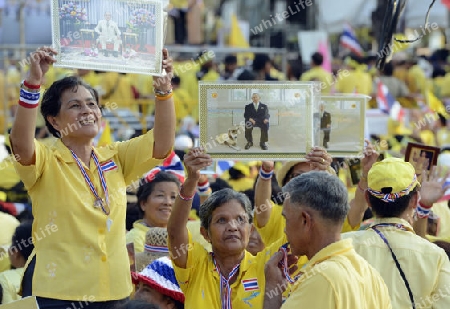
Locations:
(422, 157)
(339, 124)
(109, 35)
(247, 121)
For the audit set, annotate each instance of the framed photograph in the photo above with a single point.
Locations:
(422, 157)
(339, 124)
(274, 120)
(109, 35)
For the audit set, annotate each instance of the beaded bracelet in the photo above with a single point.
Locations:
(184, 198)
(161, 93)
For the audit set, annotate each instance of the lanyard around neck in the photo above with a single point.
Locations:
(402, 274)
(98, 200)
(225, 289)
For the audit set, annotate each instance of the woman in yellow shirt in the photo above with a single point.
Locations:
(78, 192)
(155, 200)
(229, 276)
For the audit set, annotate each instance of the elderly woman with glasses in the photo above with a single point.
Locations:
(229, 276)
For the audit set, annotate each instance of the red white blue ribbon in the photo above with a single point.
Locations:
(284, 265)
(225, 289)
(150, 248)
(89, 182)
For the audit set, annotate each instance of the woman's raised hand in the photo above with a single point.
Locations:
(40, 62)
(196, 160)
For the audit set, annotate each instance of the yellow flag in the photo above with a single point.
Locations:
(237, 39)
(104, 137)
(436, 105)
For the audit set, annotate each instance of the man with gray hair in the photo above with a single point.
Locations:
(315, 209)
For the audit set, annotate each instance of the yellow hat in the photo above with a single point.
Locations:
(393, 173)
(282, 172)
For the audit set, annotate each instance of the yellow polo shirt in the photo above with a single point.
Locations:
(338, 278)
(319, 74)
(354, 82)
(200, 281)
(426, 266)
(76, 255)
(138, 233)
(10, 282)
(274, 229)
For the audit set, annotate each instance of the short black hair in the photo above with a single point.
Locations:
(393, 209)
(176, 80)
(230, 59)
(22, 235)
(388, 69)
(147, 187)
(317, 58)
(259, 62)
(51, 101)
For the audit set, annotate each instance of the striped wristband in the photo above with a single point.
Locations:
(29, 99)
(265, 175)
(422, 211)
(203, 187)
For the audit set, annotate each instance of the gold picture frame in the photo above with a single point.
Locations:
(340, 126)
(225, 130)
(130, 41)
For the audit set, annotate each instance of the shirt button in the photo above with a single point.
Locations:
(101, 231)
(104, 258)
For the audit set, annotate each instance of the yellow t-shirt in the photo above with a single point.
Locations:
(73, 239)
(338, 278)
(442, 210)
(8, 226)
(319, 74)
(426, 266)
(416, 79)
(10, 282)
(200, 282)
(354, 82)
(242, 184)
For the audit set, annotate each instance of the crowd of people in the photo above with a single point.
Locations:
(135, 223)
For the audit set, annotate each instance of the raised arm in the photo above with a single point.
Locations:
(358, 205)
(164, 128)
(263, 193)
(431, 190)
(194, 161)
(23, 129)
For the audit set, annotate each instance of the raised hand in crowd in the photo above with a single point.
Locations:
(358, 205)
(194, 161)
(432, 188)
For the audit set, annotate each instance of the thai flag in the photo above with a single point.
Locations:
(349, 40)
(223, 166)
(171, 164)
(108, 166)
(250, 284)
(384, 99)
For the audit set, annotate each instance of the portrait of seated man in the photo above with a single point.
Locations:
(256, 114)
(108, 32)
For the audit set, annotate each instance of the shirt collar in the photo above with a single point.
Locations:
(61, 150)
(334, 249)
(393, 220)
(245, 263)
